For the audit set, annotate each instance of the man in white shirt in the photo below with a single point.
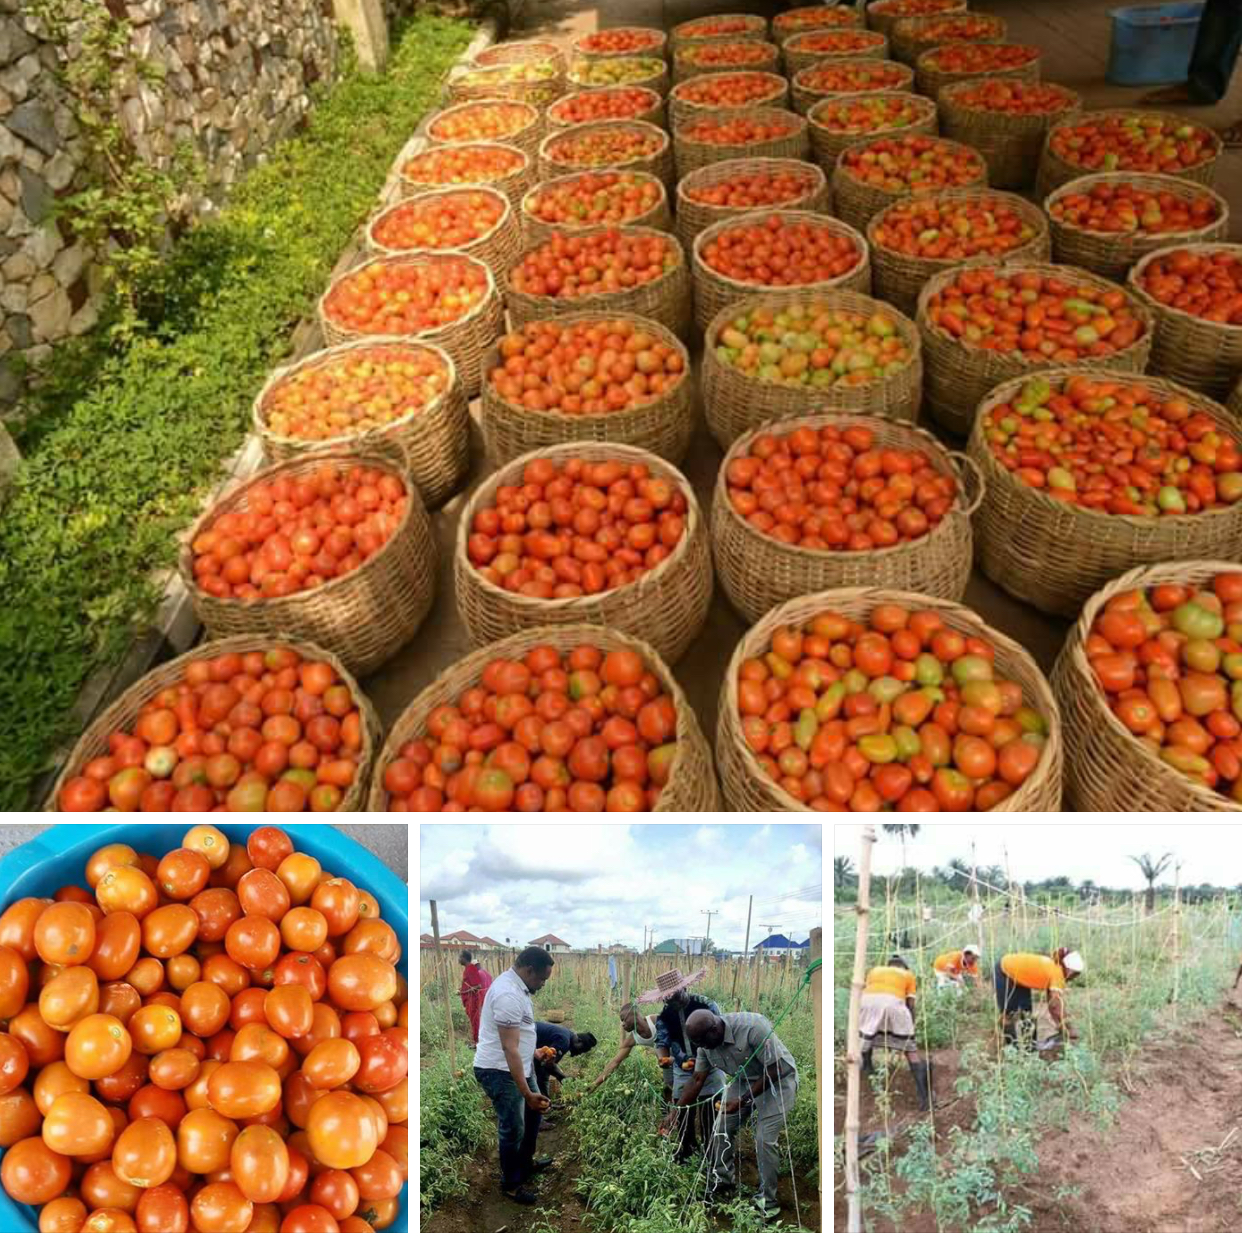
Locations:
(504, 1067)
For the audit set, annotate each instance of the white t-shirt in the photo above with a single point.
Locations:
(640, 1039)
(507, 1004)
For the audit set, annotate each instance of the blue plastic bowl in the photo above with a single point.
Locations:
(58, 857)
(1152, 43)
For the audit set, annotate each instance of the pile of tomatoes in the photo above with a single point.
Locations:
(781, 253)
(1206, 284)
(576, 528)
(740, 130)
(463, 165)
(262, 731)
(1169, 661)
(902, 711)
(1123, 207)
(363, 389)
(595, 198)
(870, 115)
(846, 77)
(727, 55)
(728, 89)
(620, 41)
(792, 20)
(601, 262)
(813, 345)
(586, 730)
(482, 122)
(833, 489)
(441, 221)
(517, 74)
(981, 57)
(213, 1040)
(750, 190)
(1115, 446)
(394, 297)
(1013, 97)
(837, 42)
(715, 27)
(1044, 317)
(1133, 142)
(593, 367)
(604, 147)
(914, 8)
(297, 533)
(956, 28)
(952, 229)
(619, 103)
(912, 164)
(618, 71)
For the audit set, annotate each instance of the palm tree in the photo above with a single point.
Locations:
(901, 831)
(1152, 869)
(842, 871)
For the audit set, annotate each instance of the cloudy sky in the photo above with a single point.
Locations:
(1081, 849)
(601, 884)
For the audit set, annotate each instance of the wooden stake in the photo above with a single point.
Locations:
(853, 1050)
(1177, 937)
(745, 949)
(448, 1005)
(817, 952)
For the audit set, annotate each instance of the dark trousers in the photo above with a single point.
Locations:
(1012, 998)
(517, 1125)
(1216, 50)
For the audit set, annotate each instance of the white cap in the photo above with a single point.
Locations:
(972, 950)
(1073, 962)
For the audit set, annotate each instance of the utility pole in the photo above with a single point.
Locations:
(709, 915)
(745, 949)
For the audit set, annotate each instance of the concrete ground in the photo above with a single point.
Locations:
(1074, 36)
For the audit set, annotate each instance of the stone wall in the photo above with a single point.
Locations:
(238, 73)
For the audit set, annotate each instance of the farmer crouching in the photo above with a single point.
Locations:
(886, 1021)
(1019, 976)
(954, 967)
(552, 1042)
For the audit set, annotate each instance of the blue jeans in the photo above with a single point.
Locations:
(1216, 50)
(517, 1125)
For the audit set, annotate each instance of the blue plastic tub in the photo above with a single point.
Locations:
(58, 857)
(1152, 43)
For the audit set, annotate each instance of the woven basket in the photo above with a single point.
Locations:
(123, 712)
(959, 377)
(1234, 402)
(534, 230)
(899, 278)
(434, 440)
(828, 143)
(759, 572)
(1010, 144)
(513, 184)
(910, 37)
(747, 788)
(735, 404)
(713, 291)
(658, 164)
(666, 607)
(690, 155)
(1112, 254)
(1107, 768)
(473, 81)
(929, 79)
(657, 79)
(662, 427)
(1054, 554)
(525, 139)
(463, 340)
(686, 66)
(654, 113)
(692, 780)
(745, 26)
(522, 51)
(682, 109)
(883, 15)
(496, 249)
(1055, 171)
(793, 22)
(665, 299)
(798, 52)
(859, 203)
(1204, 355)
(365, 616)
(693, 217)
(659, 43)
(806, 94)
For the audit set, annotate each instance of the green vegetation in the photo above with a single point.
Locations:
(124, 440)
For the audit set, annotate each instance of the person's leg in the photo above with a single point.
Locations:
(772, 1111)
(723, 1173)
(530, 1133)
(922, 1082)
(1217, 42)
(508, 1104)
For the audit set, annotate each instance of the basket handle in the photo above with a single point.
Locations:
(972, 480)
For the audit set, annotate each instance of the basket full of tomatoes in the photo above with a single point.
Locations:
(790, 254)
(579, 376)
(1006, 120)
(798, 21)
(883, 15)
(522, 51)
(509, 168)
(621, 41)
(579, 718)
(238, 724)
(611, 71)
(728, 27)
(864, 699)
(768, 358)
(837, 123)
(585, 200)
(828, 502)
(768, 132)
(585, 533)
(974, 339)
(912, 36)
(329, 547)
(488, 120)
(918, 237)
(1147, 683)
(535, 81)
(608, 103)
(949, 63)
(812, 46)
(712, 94)
(724, 56)
(1056, 523)
(828, 78)
(628, 145)
(1195, 293)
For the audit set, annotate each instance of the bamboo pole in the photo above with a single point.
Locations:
(745, 949)
(448, 1006)
(853, 1052)
(816, 1003)
(1177, 936)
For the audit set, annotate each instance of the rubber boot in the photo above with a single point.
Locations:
(921, 1084)
(868, 1066)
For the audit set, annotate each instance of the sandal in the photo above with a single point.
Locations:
(1231, 135)
(1176, 95)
